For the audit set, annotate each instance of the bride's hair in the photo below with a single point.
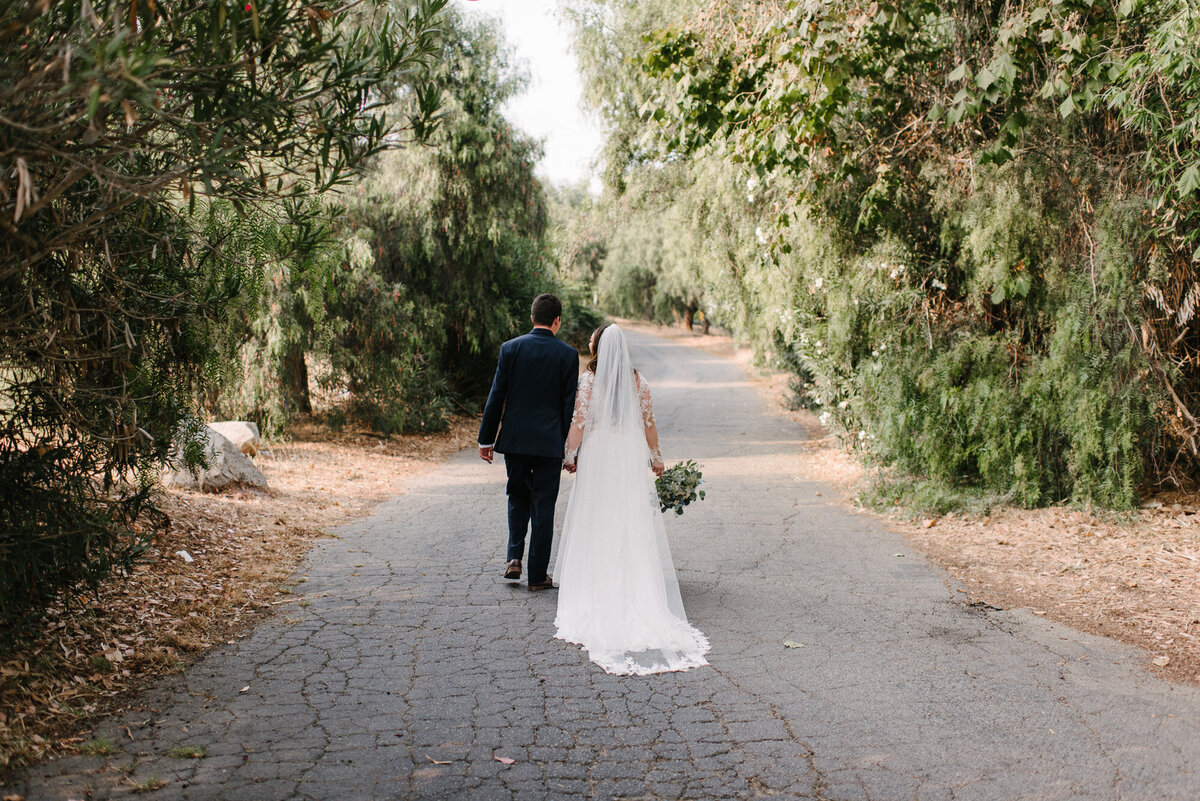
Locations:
(594, 346)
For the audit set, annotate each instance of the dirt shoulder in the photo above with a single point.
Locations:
(1135, 578)
(244, 546)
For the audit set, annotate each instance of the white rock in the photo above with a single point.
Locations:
(226, 466)
(242, 434)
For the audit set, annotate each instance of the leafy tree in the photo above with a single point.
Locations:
(579, 232)
(580, 246)
(280, 318)
(415, 274)
(608, 39)
(973, 227)
(448, 247)
(119, 124)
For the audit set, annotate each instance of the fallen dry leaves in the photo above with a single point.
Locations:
(1135, 580)
(244, 545)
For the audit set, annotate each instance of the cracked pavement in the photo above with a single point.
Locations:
(410, 665)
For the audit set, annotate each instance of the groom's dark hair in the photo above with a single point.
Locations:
(546, 309)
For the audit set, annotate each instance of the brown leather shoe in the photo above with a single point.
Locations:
(513, 571)
(538, 586)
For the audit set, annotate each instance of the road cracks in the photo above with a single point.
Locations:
(408, 669)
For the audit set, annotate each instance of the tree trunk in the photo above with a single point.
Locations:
(294, 380)
(689, 314)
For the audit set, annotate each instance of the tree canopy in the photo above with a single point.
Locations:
(969, 229)
(122, 125)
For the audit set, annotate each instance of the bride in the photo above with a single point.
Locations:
(618, 595)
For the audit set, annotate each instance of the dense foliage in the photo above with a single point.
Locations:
(399, 305)
(456, 232)
(134, 140)
(970, 229)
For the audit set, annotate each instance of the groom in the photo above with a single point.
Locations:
(531, 402)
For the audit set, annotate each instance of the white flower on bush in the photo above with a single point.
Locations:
(825, 418)
(938, 285)
(820, 282)
(862, 434)
(843, 405)
(760, 236)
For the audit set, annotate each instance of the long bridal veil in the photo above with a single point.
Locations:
(618, 594)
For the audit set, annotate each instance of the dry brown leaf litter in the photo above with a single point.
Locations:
(244, 544)
(1135, 579)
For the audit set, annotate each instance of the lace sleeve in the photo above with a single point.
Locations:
(583, 401)
(648, 419)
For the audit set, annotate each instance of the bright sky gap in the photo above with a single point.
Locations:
(550, 109)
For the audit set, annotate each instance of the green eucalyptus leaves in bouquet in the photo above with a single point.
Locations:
(678, 486)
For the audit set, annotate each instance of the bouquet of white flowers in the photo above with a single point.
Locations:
(678, 486)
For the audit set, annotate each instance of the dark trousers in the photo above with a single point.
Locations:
(532, 491)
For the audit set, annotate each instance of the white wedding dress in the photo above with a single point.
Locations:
(618, 596)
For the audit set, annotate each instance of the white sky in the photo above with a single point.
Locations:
(550, 109)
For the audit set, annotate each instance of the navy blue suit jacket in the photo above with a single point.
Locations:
(532, 397)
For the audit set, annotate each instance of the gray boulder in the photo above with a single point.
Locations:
(227, 466)
(242, 434)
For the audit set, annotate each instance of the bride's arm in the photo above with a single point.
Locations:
(656, 459)
(583, 398)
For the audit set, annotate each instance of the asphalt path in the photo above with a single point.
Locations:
(410, 670)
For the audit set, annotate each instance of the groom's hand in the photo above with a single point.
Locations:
(570, 468)
(485, 454)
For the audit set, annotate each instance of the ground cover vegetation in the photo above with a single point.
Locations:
(220, 209)
(969, 230)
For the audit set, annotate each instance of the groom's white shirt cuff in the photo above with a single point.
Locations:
(487, 446)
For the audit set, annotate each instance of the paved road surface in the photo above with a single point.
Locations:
(414, 665)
